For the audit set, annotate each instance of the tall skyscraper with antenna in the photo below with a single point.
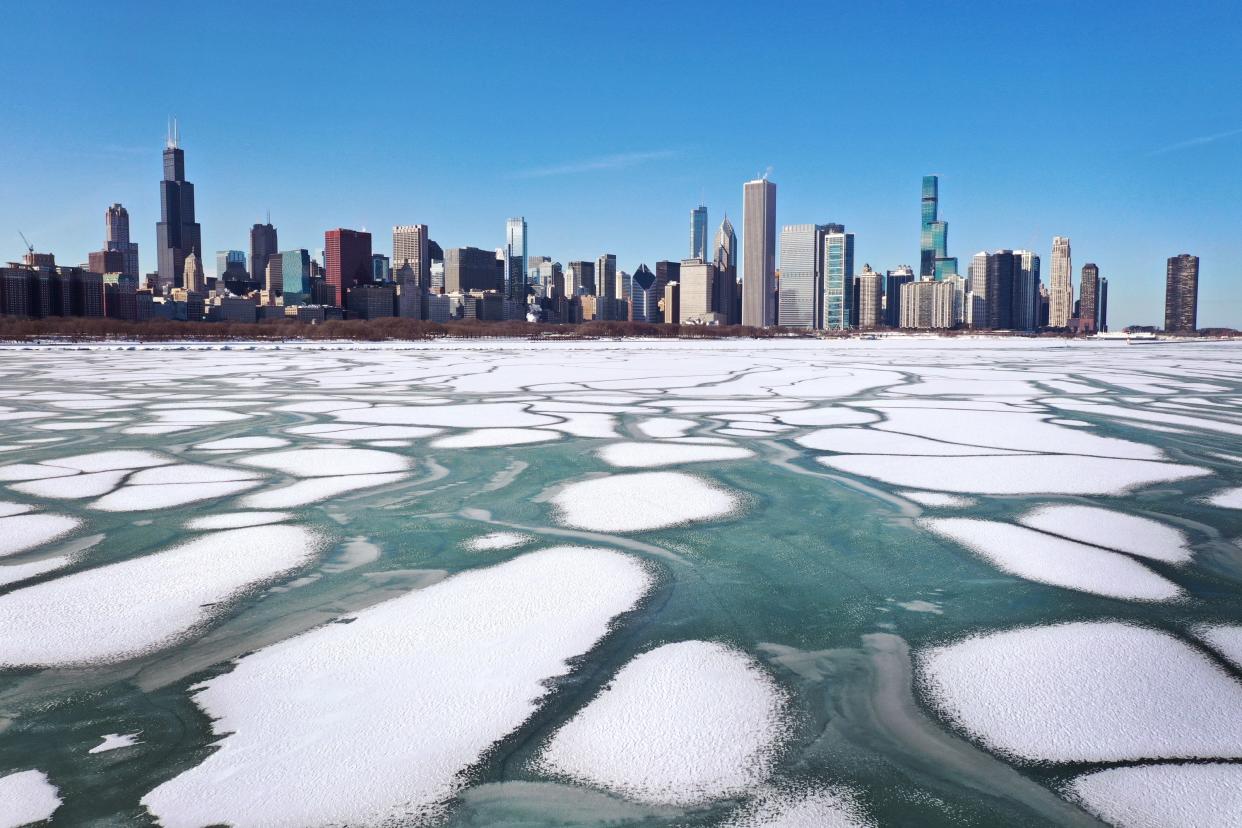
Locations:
(177, 234)
(759, 253)
(934, 259)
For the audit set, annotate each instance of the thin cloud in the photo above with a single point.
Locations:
(619, 161)
(1196, 142)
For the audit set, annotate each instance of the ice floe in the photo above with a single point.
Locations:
(658, 427)
(833, 416)
(939, 499)
(78, 618)
(26, 798)
(652, 455)
(1014, 474)
(641, 501)
(1227, 498)
(149, 497)
(237, 520)
(1086, 692)
(9, 508)
(316, 489)
(1036, 556)
(868, 441)
(828, 807)
(1114, 530)
(1224, 639)
(21, 532)
(102, 461)
(487, 437)
(12, 573)
(682, 724)
(72, 486)
(1163, 795)
(115, 741)
(301, 722)
(497, 540)
(235, 443)
(329, 462)
(465, 415)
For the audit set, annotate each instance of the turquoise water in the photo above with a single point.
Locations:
(808, 578)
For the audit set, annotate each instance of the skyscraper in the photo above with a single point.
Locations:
(177, 233)
(893, 280)
(726, 272)
(230, 262)
(583, 275)
(381, 269)
(606, 276)
(870, 293)
(263, 246)
(116, 238)
(1181, 294)
(295, 273)
(698, 280)
(192, 275)
(698, 233)
(759, 253)
(934, 259)
(801, 294)
(666, 273)
(409, 245)
(838, 277)
(645, 294)
(1003, 266)
(1089, 299)
(515, 259)
(1025, 295)
(1061, 291)
(1104, 304)
(347, 261)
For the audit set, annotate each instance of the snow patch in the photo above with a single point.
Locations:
(26, 798)
(21, 532)
(487, 437)
(652, 455)
(637, 502)
(1113, 530)
(1163, 796)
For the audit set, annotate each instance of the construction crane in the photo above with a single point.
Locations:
(29, 246)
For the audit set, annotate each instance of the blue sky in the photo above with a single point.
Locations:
(604, 124)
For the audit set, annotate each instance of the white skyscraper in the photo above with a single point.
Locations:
(801, 294)
(409, 245)
(1061, 292)
(759, 253)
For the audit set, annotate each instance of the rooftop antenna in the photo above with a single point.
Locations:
(766, 173)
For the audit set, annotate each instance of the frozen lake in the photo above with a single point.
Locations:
(882, 583)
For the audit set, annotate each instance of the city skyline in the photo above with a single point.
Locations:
(1154, 185)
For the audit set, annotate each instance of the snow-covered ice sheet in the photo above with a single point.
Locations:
(26, 797)
(682, 724)
(21, 532)
(497, 540)
(329, 462)
(154, 496)
(315, 489)
(659, 427)
(1225, 639)
(1227, 498)
(487, 437)
(653, 455)
(1114, 530)
(12, 573)
(236, 520)
(1036, 556)
(301, 722)
(869, 441)
(939, 499)
(808, 808)
(1164, 795)
(642, 501)
(1086, 692)
(248, 443)
(78, 619)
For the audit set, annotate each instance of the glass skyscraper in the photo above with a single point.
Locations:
(934, 259)
(515, 259)
(698, 233)
(295, 273)
(177, 234)
(838, 277)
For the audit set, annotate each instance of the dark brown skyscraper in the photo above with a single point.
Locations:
(262, 247)
(177, 234)
(1181, 293)
(347, 261)
(1089, 299)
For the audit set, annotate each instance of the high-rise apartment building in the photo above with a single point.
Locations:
(606, 276)
(698, 234)
(1181, 294)
(698, 282)
(1103, 317)
(410, 246)
(725, 259)
(893, 280)
(801, 298)
(838, 277)
(347, 261)
(515, 259)
(177, 233)
(1025, 294)
(263, 246)
(934, 259)
(1061, 291)
(1089, 299)
(116, 237)
(870, 299)
(759, 253)
(927, 304)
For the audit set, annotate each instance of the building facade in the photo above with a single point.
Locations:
(759, 253)
(801, 298)
(645, 295)
(410, 246)
(347, 262)
(515, 258)
(263, 246)
(116, 220)
(870, 299)
(696, 295)
(177, 232)
(1089, 299)
(469, 268)
(1181, 294)
(725, 259)
(893, 280)
(1061, 290)
(698, 234)
(838, 277)
(606, 276)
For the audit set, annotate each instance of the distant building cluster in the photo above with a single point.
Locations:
(811, 284)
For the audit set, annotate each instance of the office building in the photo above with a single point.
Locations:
(698, 234)
(1181, 294)
(347, 262)
(469, 268)
(410, 244)
(934, 259)
(192, 277)
(381, 270)
(372, 301)
(927, 304)
(695, 294)
(759, 253)
(106, 261)
(1061, 290)
(116, 238)
(893, 280)
(1089, 299)
(606, 276)
(582, 277)
(295, 276)
(515, 259)
(177, 233)
(1103, 318)
(666, 272)
(1025, 294)
(838, 277)
(870, 299)
(670, 307)
(725, 259)
(800, 299)
(263, 246)
(644, 295)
